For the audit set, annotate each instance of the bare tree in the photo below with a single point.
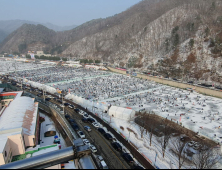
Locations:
(164, 140)
(142, 121)
(150, 126)
(142, 125)
(178, 148)
(206, 158)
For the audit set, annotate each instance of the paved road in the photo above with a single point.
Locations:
(113, 158)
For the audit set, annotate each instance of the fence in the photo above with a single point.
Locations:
(56, 112)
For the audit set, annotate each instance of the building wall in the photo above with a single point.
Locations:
(17, 144)
(6, 155)
(2, 160)
(29, 140)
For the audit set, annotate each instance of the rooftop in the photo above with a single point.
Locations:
(5, 134)
(22, 112)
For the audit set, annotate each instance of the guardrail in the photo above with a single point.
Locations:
(59, 117)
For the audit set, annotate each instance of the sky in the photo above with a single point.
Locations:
(62, 12)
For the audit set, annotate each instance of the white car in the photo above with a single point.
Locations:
(93, 148)
(62, 105)
(81, 134)
(86, 142)
(71, 107)
(86, 116)
(81, 112)
(95, 125)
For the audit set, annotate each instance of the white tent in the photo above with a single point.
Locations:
(121, 113)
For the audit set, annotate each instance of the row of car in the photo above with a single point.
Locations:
(80, 133)
(88, 119)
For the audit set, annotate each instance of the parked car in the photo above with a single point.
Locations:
(128, 158)
(48, 99)
(67, 116)
(86, 142)
(71, 106)
(61, 105)
(72, 121)
(87, 128)
(117, 146)
(95, 125)
(93, 148)
(91, 120)
(75, 126)
(81, 112)
(81, 134)
(66, 104)
(100, 158)
(84, 120)
(101, 130)
(86, 116)
(77, 110)
(103, 165)
(108, 136)
(60, 101)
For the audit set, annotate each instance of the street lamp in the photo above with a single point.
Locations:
(44, 90)
(63, 107)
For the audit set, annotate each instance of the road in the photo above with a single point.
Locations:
(113, 158)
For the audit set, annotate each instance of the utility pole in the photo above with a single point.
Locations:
(44, 92)
(63, 108)
(21, 84)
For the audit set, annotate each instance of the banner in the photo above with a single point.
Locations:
(32, 56)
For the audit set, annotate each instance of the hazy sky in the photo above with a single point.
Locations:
(62, 12)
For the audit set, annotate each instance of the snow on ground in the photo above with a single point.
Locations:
(190, 109)
(46, 141)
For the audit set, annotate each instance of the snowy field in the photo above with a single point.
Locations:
(57, 75)
(194, 111)
(12, 66)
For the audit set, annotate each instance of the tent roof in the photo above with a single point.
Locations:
(22, 112)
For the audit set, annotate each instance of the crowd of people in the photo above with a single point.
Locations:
(196, 111)
(55, 74)
(104, 87)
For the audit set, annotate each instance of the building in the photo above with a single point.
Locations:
(95, 67)
(19, 125)
(40, 53)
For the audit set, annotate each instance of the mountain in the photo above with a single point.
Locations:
(8, 26)
(176, 38)
(3, 35)
(28, 37)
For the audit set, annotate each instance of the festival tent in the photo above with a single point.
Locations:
(121, 113)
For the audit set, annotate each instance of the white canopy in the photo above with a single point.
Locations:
(121, 113)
